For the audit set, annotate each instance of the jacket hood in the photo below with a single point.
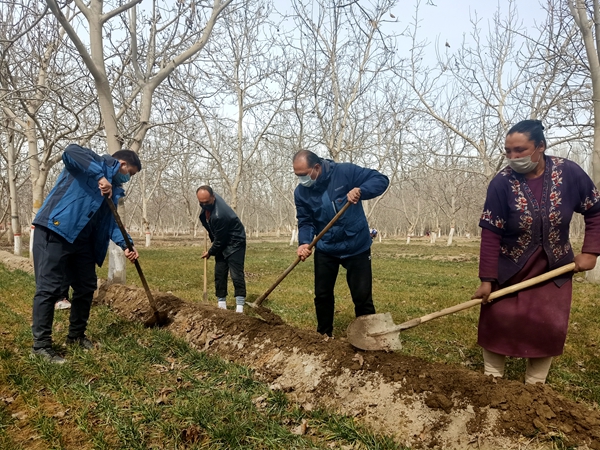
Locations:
(322, 182)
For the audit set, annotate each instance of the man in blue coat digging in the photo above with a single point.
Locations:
(324, 188)
(72, 231)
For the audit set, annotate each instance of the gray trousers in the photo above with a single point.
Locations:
(58, 263)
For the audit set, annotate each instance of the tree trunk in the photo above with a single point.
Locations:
(117, 273)
(12, 187)
(450, 235)
(294, 236)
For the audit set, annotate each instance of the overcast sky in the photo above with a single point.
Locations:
(449, 20)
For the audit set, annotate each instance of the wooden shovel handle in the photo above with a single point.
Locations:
(499, 293)
(204, 292)
(262, 298)
(129, 245)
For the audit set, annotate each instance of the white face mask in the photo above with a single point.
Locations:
(523, 165)
(306, 180)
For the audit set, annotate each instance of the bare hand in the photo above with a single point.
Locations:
(354, 196)
(585, 261)
(105, 187)
(205, 255)
(131, 255)
(483, 292)
(304, 252)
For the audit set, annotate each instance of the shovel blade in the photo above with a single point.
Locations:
(358, 333)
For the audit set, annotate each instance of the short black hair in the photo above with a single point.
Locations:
(130, 157)
(312, 159)
(532, 128)
(206, 188)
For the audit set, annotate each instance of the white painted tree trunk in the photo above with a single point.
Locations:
(294, 236)
(408, 239)
(593, 276)
(117, 273)
(433, 237)
(15, 223)
(450, 235)
(31, 242)
(148, 237)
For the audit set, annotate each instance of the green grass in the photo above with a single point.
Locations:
(143, 389)
(146, 389)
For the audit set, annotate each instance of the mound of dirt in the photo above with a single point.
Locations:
(16, 262)
(423, 405)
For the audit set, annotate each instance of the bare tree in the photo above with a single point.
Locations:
(345, 52)
(169, 32)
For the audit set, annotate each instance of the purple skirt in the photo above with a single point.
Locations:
(531, 323)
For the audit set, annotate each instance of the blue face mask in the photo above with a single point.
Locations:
(120, 178)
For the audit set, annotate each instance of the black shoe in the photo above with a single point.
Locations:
(48, 354)
(82, 341)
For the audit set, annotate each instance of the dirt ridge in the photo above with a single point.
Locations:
(424, 405)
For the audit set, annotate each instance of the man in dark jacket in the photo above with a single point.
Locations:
(325, 187)
(72, 230)
(228, 239)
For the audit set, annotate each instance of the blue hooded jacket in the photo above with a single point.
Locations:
(318, 204)
(75, 198)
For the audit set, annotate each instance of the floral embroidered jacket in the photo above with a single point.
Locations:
(512, 211)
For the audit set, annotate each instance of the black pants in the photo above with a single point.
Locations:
(57, 264)
(233, 264)
(360, 281)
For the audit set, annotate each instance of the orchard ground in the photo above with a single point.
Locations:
(297, 390)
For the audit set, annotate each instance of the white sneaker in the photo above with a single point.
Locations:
(239, 309)
(222, 305)
(62, 304)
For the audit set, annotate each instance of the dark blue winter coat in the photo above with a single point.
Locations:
(75, 198)
(318, 204)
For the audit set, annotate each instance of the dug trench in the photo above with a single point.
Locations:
(422, 404)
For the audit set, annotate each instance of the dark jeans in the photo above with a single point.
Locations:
(234, 265)
(360, 282)
(57, 264)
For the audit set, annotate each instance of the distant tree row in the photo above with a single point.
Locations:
(225, 93)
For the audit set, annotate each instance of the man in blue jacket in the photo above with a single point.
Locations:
(72, 231)
(325, 186)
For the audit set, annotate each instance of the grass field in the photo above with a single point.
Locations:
(146, 389)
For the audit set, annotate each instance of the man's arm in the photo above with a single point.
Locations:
(220, 231)
(81, 159)
(304, 215)
(306, 228)
(370, 182)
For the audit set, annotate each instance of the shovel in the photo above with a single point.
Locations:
(262, 298)
(205, 293)
(378, 331)
(159, 318)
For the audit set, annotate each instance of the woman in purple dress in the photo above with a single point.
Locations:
(525, 233)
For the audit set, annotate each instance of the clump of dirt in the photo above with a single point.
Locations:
(424, 405)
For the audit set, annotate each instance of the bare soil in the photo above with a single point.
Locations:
(424, 405)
